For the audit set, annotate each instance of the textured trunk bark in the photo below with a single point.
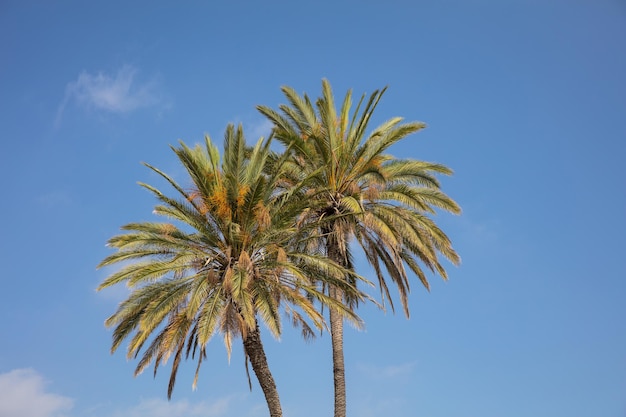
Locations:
(339, 370)
(254, 349)
(336, 335)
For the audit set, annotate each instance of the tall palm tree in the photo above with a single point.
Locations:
(229, 259)
(359, 193)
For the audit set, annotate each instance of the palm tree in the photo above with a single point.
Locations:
(231, 261)
(359, 193)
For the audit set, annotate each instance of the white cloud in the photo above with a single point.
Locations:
(23, 394)
(120, 93)
(155, 407)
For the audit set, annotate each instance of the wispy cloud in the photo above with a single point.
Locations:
(23, 393)
(118, 93)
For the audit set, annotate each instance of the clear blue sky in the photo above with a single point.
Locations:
(525, 100)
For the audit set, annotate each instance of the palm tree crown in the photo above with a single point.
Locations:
(358, 191)
(228, 258)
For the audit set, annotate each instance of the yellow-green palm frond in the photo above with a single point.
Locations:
(301, 111)
(420, 173)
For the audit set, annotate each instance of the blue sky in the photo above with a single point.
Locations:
(525, 100)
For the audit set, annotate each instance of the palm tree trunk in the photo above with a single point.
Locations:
(336, 330)
(254, 349)
(339, 370)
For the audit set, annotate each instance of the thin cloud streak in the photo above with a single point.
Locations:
(114, 94)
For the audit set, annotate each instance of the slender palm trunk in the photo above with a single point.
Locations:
(339, 370)
(254, 349)
(336, 333)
